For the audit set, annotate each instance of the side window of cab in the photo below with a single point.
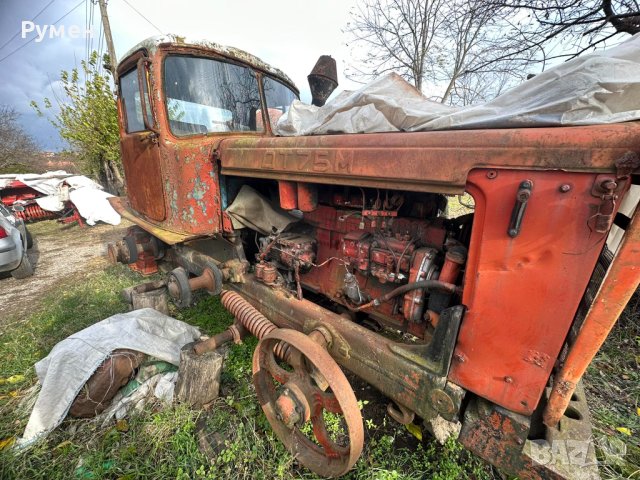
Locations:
(130, 95)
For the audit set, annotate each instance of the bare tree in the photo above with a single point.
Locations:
(564, 29)
(16, 146)
(455, 50)
(395, 35)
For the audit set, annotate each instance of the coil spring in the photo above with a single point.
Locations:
(251, 319)
(34, 212)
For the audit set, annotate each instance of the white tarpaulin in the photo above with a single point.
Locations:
(44, 183)
(71, 363)
(599, 88)
(94, 205)
(58, 187)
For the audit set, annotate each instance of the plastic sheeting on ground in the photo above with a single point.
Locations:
(599, 88)
(59, 186)
(71, 362)
(160, 386)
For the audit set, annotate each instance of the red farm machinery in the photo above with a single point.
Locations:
(337, 252)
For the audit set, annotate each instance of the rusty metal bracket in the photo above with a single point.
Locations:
(628, 164)
(520, 446)
(608, 189)
(336, 344)
(400, 413)
(436, 355)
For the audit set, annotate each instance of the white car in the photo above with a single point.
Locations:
(14, 242)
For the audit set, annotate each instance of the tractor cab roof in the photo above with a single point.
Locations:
(168, 41)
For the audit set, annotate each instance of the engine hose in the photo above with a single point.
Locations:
(422, 284)
(252, 319)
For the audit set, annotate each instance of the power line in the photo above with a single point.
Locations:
(19, 31)
(90, 36)
(86, 27)
(100, 47)
(148, 21)
(34, 37)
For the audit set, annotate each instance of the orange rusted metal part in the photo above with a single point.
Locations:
(145, 264)
(206, 281)
(617, 288)
(517, 279)
(385, 364)
(288, 194)
(427, 161)
(167, 236)
(453, 261)
(307, 197)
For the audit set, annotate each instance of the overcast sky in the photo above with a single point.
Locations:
(288, 34)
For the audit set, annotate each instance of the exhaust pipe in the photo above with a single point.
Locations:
(323, 80)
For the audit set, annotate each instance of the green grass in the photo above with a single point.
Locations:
(162, 442)
(613, 391)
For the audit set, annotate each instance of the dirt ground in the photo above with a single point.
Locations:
(61, 255)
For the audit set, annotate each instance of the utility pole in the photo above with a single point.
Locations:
(107, 35)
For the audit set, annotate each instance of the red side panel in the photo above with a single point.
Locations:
(525, 290)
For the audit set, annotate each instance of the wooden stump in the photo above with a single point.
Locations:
(156, 299)
(198, 377)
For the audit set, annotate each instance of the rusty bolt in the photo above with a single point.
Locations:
(491, 174)
(442, 401)
(508, 380)
(565, 187)
(609, 185)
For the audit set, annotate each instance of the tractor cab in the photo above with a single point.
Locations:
(176, 102)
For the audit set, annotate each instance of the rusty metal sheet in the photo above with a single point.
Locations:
(617, 288)
(426, 161)
(522, 292)
(141, 161)
(167, 236)
(191, 182)
(521, 448)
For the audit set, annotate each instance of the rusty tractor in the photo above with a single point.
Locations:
(336, 252)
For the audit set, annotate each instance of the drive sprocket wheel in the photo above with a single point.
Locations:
(321, 427)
